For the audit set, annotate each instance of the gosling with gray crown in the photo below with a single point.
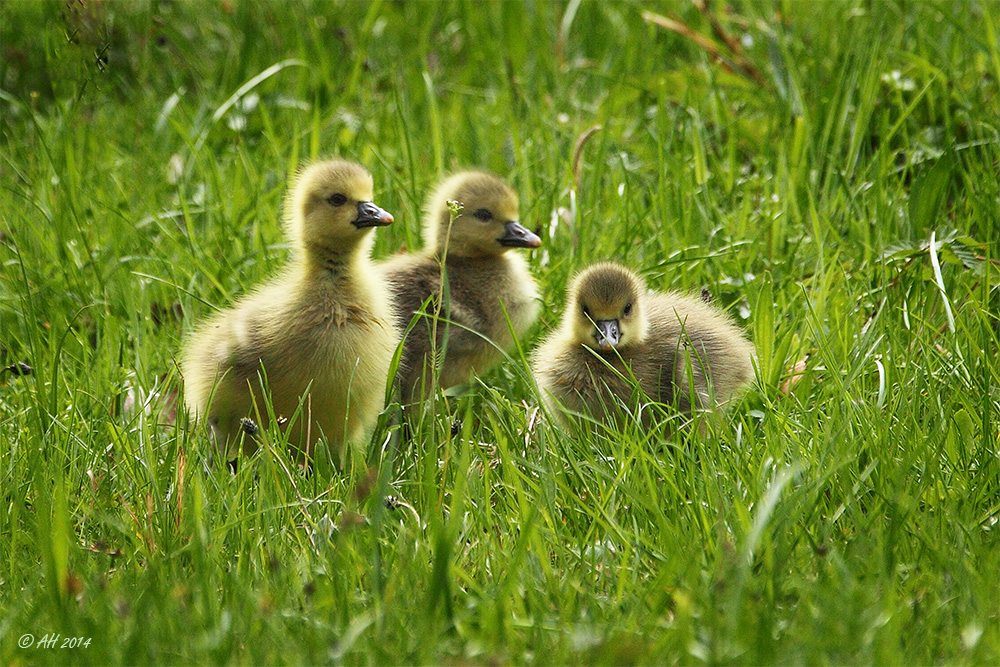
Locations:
(678, 348)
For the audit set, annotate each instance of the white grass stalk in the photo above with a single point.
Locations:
(940, 282)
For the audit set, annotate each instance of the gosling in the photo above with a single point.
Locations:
(485, 286)
(319, 335)
(679, 349)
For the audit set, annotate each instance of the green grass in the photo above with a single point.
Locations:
(850, 519)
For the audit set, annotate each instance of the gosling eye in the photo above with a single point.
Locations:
(337, 199)
(483, 214)
(628, 308)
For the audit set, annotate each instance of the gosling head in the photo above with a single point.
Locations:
(487, 223)
(330, 209)
(605, 308)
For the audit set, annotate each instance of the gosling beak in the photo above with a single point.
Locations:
(608, 334)
(516, 236)
(370, 215)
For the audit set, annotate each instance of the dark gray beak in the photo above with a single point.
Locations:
(516, 236)
(370, 215)
(608, 334)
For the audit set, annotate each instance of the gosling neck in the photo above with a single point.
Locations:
(325, 261)
(465, 255)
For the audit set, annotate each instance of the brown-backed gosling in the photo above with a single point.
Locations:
(484, 281)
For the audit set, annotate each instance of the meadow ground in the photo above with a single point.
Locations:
(829, 171)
